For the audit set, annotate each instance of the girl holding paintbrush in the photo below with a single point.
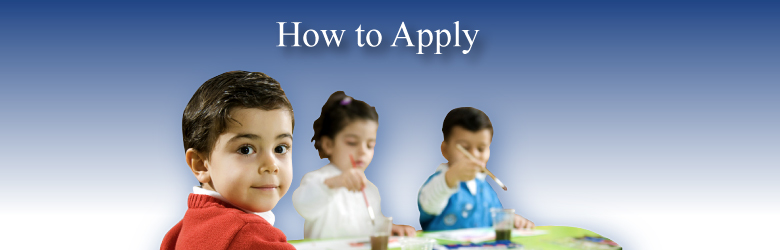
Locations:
(337, 200)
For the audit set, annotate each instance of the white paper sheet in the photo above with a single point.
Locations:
(479, 234)
(348, 244)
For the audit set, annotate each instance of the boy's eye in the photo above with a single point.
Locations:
(371, 145)
(245, 150)
(351, 143)
(481, 149)
(281, 149)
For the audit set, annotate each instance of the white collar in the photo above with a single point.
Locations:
(471, 184)
(268, 215)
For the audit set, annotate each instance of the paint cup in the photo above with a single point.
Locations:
(380, 233)
(417, 243)
(503, 222)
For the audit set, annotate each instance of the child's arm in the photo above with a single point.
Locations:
(313, 196)
(316, 191)
(354, 180)
(435, 194)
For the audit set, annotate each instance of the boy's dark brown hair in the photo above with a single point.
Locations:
(208, 112)
(468, 118)
(337, 113)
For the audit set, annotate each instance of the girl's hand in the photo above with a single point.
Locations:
(521, 222)
(403, 230)
(353, 180)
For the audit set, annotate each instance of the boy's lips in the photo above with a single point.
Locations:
(266, 187)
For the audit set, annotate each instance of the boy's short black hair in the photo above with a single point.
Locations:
(208, 112)
(468, 118)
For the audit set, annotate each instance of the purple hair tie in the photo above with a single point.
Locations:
(346, 101)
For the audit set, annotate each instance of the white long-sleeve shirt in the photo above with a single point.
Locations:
(334, 213)
(435, 194)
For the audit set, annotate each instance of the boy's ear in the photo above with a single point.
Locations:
(327, 145)
(198, 165)
(444, 150)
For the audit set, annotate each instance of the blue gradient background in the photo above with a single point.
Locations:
(655, 124)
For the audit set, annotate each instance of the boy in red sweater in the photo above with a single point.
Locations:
(237, 132)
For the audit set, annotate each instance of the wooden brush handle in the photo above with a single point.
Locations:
(463, 150)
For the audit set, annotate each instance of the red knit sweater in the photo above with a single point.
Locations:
(214, 224)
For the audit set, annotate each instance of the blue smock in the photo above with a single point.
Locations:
(463, 210)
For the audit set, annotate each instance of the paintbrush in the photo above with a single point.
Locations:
(370, 210)
(463, 150)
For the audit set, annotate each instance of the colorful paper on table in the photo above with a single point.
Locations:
(476, 246)
(479, 234)
(362, 243)
(587, 242)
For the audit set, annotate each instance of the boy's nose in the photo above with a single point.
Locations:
(268, 164)
(475, 153)
(479, 155)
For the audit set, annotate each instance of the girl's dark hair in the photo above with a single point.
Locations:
(208, 112)
(337, 113)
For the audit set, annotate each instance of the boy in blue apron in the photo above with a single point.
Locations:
(457, 194)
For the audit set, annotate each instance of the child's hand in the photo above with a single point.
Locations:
(403, 230)
(521, 222)
(463, 169)
(353, 180)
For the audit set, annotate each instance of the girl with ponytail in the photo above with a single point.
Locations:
(333, 198)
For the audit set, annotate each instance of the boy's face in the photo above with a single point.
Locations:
(358, 139)
(251, 163)
(477, 143)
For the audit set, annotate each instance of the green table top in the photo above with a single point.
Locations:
(551, 240)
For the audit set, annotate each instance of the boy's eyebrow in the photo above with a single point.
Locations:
(463, 142)
(248, 136)
(287, 135)
(257, 137)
